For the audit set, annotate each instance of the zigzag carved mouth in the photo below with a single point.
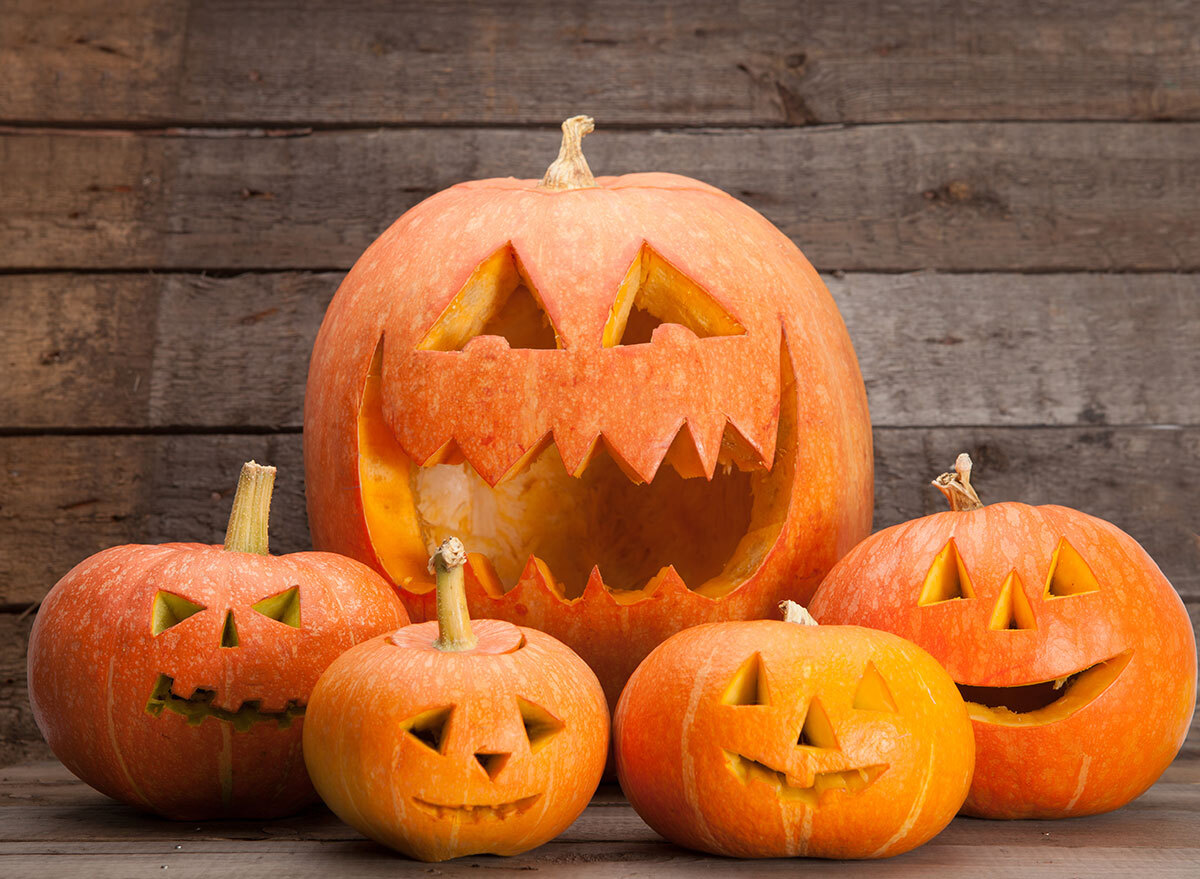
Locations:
(702, 526)
(1045, 701)
(199, 705)
(851, 780)
(477, 813)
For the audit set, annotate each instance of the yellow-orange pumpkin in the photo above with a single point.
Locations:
(451, 738)
(766, 739)
(1076, 656)
(175, 677)
(516, 361)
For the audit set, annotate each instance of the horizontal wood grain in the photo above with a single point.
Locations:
(51, 823)
(66, 497)
(956, 196)
(20, 740)
(138, 351)
(626, 62)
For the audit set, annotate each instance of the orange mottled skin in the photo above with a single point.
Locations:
(1093, 760)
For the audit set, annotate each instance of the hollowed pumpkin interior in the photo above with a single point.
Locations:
(714, 531)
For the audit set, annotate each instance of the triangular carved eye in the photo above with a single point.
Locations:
(654, 292)
(873, 693)
(817, 731)
(540, 724)
(497, 300)
(283, 607)
(947, 578)
(429, 727)
(1012, 610)
(749, 684)
(1069, 573)
(170, 610)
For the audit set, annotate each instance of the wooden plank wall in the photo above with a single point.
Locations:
(1003, 197)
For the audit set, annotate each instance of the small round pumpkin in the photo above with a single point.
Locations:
(767, 739)
(631, 396)
(451, 738)
(1075, 655)
(175, 677)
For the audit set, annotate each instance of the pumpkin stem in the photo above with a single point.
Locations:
(247, 529)
(570, 170)
(796, 613)
(957, 488)
(454, 620)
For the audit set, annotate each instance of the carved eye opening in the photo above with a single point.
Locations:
(748, 685)
(170, 610)
(540, 725)
(283, 607)
(947, 578)
(653, 293)
(497, 300)
(872, 692)
(1069, 573)
(429, 727)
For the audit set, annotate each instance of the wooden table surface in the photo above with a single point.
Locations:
(53, 825)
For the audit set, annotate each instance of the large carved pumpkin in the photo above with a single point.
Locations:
(1075, 655)
(175, 677)
(633, 396)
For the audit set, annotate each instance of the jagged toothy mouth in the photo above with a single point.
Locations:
(704, 527)
(1045, 701)
(199, 705)
(477, 813)
(851, 780)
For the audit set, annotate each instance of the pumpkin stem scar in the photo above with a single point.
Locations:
(570, 170)
(957, 487)
(796, 613)
(454, 619)
(247, 530)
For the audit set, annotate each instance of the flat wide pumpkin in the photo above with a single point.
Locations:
(1074, 653)
(632, 396)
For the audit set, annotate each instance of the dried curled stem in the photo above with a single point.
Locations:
(957, 488)
(570, 170)
(454, 620)
(796, 613)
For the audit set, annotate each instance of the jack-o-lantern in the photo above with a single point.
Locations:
(632, 396)
(768, 739)
(1075, 655)
(451, 738)
(175, 677)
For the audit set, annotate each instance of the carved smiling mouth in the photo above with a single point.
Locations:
(479, 813)
(704, 527)
(852, 780)
(199, 706)
(1045, 701)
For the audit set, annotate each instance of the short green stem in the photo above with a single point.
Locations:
(248, 520)
(454, 619)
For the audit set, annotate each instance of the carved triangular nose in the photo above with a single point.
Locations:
(229, 636)
(1012, 610)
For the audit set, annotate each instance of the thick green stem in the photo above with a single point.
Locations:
(247, 530)
(957, 487)
(454, 620)
(570, 170)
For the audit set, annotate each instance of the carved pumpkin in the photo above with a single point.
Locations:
(1076, 656)
(632, 395)
(175, 677)
(766, 739)
(451, 738)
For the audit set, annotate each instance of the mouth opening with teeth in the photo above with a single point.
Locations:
(713, 531)
(850, 780)
(199, 705)
(477, 813)
(1045, 701)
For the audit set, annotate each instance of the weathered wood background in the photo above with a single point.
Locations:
(1004, 199)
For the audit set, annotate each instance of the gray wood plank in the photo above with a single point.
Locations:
(627, 62)
(63, 498)
(185, 351)
(20, 740)
(960, 196)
